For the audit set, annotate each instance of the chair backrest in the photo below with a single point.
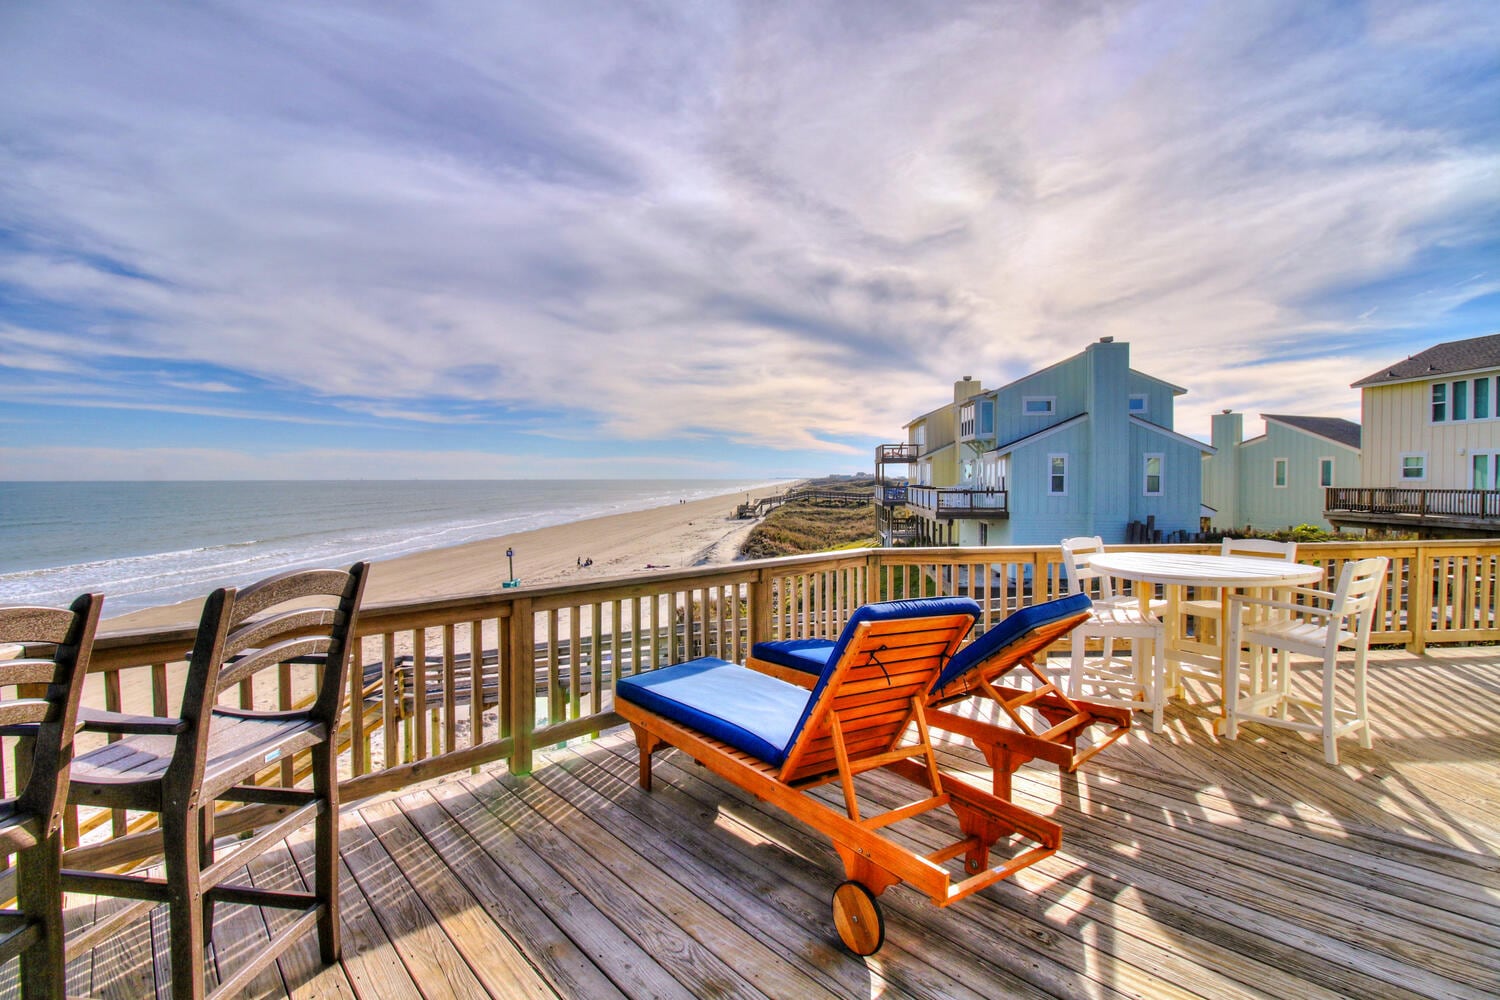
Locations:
(1262, 548)
(1025, 633)
(1361, 582)
(303, 616)
(52, 647)
(887, 659)
(1076, 553)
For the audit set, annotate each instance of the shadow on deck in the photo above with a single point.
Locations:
(1189, 867)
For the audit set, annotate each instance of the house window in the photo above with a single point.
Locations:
(1038, 406)
(1153, 476)
(1138, 403)
(1279, 475)
(1460, 401)
(1485, 466)
(1057, 482)
(1481, 398)
(1325, 472)
(1413, 467)
(1439, 402)
(919, 435)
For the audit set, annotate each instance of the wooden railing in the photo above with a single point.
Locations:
(948, 501)
(447, 685)
(1468, 504)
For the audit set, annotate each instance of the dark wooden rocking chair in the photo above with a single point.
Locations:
(181, 768)
(51, 657)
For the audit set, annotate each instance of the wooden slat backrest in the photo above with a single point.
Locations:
(237, 637)
(67, 637)
(871, 689)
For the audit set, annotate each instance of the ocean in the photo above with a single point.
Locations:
(149, 543)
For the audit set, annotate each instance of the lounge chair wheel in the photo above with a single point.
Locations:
(858, 918)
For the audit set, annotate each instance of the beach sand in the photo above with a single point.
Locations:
(697, 533)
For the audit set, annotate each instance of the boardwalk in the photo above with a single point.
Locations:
(1190, 867)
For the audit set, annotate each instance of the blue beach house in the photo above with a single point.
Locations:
(1082, 447)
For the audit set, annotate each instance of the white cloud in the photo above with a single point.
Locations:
(782, 226)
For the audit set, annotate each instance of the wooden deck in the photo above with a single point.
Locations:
(1189, 867)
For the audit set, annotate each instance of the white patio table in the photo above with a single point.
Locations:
(1177, 570)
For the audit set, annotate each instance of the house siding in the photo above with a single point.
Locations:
(1398, 421)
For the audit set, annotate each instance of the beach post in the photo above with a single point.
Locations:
(510, 562)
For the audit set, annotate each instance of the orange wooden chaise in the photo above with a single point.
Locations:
(866, 711)
(980, 669)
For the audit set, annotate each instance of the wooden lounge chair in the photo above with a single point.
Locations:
(181, 768)
(1012, 644)
(46, 668)
(778, 740)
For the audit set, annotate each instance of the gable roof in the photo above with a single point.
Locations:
(1335, 429)
(1035, 436)
(1444, 359)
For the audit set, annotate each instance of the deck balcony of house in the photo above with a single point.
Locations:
(897, 454)
(946, 503)
(495, 841)
(1426, 513)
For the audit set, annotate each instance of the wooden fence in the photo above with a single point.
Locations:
(447, 685)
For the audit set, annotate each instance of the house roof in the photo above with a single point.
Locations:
(1445, 359)
(1335, 429)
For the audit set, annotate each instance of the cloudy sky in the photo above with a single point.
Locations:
(320, 239)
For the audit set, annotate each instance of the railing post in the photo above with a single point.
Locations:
(760, 610)
(1419, 610)
(523, 684)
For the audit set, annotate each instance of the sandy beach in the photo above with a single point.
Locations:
(697, 533)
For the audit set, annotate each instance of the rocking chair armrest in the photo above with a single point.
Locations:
(95, 720)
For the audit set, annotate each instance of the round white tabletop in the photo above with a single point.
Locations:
(1183, 569)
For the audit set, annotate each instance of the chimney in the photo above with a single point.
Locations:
(966, 387)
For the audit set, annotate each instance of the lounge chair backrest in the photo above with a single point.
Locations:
(888, 654)
(1024, 633)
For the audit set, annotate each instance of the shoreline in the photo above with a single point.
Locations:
(693, 533)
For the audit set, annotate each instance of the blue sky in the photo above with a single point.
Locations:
(319, 240)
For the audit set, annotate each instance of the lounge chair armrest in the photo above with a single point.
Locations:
(95, 720)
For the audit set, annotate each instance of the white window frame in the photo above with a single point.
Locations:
(1145, 401)
(1051, 492)
(1489, 400)
(1433, 402)
(1161, 474)
(1331, 469)
(1280, 473)
(1027, 411)
(1421, 457)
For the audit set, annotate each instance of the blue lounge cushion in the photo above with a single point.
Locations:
(1013, 628)
(807, 655)
(744, 708)
(751, 711)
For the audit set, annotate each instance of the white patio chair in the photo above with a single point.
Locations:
(1138, 684)
(1208, 606)
(1309, 630)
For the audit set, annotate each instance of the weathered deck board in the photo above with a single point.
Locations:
(1190, 866)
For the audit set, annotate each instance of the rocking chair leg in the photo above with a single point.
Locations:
(326, 868)
(43, 965)
(181, 848)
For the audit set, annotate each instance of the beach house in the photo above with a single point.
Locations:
(1278, 479)
(1081, 447)
(1431, 445)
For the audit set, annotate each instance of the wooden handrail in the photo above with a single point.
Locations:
(549, 655)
